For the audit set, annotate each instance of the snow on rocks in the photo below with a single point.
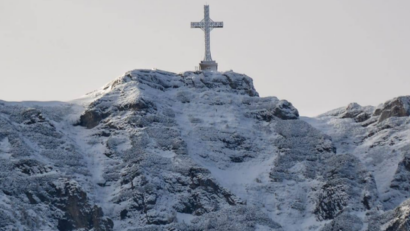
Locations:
(379, 139)
(155, 150)
(397, 107)
(41, 159)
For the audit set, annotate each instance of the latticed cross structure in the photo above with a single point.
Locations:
(207, 25)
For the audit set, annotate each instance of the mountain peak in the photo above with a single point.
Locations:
(228, 81)
(147, 90)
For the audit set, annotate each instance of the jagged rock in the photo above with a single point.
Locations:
(393, 220)
(32, 167)
(397, 107)
(401, 180)
(362, 117)
(348, 186)
(78, 213)
(271, 108)
(299, 144)
(91, 118)
(32, 116)
(286, 111)
(381, 145)
(353, 111)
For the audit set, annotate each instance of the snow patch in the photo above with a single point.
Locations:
(5, 148)
(185, 218)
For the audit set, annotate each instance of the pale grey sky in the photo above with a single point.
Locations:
(318, 54)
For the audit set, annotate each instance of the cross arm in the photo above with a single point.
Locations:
(197, 24)
(216, 24)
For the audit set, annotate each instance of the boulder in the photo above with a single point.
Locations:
(397, 107)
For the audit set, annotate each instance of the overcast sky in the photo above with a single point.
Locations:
(318, 54)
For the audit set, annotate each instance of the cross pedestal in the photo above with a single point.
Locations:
(208, 66)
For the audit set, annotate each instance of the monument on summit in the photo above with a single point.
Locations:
(207, 25)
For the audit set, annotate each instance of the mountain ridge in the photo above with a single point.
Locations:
(155, 150)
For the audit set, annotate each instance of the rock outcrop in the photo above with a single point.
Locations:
(379, 146)
(397, 107)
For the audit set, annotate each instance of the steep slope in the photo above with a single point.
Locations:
(379, 138)
(155, 150)
(44, 176)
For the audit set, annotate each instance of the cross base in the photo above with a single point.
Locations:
(208, 66)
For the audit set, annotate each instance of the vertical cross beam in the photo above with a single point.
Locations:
(207, 30)
(207, 25)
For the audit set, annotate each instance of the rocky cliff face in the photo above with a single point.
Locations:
(380, 141)
(397, 107)
(155, 150)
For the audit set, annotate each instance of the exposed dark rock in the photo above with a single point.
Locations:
(284, 110)
(356, 112)
(401, 179)
(245, 83)
(352, 110)
(362, 117)
(78, 212)
(304, 151)
(123, 214)
(331, 201)
(32, 167)
(234, 141)
(349, 186)
(138, 105)
(92, 118)
(207, 184)
(33, 116)
(240, 158)
(204, 195)
(397, 219)
(397, 107)
(31, 198)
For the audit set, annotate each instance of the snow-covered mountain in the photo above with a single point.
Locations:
(380, 138)
(154, 150)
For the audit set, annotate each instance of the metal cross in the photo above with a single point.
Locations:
(207, 25)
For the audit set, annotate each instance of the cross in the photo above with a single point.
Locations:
(207, 25)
